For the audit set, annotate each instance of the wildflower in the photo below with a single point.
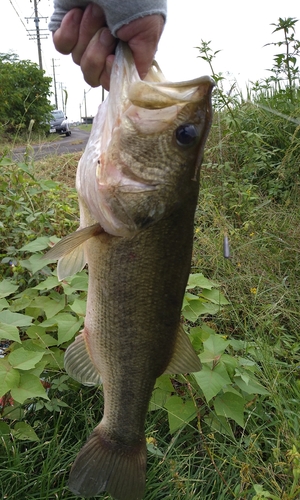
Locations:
(151, 440)
(253, 290)
(251, 234)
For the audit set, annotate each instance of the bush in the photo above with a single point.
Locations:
(24, 96)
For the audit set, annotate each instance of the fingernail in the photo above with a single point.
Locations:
(106, 38)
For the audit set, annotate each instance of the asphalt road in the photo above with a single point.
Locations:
(76, 142)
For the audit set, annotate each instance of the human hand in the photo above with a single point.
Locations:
(86, 36)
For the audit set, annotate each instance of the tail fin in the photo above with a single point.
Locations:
(106, 465)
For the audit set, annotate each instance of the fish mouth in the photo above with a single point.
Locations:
(164, 94)
(123, 189)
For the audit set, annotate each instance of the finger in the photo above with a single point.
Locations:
(142, 36)
(92, 21)
(97, 59)
(66, 37)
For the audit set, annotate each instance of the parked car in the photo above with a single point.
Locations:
(59, 123)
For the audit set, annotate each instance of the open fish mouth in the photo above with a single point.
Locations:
(118, 163)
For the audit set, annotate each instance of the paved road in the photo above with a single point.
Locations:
(76, 142)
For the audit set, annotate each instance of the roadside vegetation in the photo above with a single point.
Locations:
(24, 105)
(231, 431)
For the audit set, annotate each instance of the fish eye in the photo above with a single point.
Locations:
(186, 135)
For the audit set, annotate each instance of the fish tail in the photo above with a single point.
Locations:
(106, 465)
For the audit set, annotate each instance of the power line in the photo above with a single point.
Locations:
(10, 1)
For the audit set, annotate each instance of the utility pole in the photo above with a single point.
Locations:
(54, 84)
(85, 110)
(38, 35)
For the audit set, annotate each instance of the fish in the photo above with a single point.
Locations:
(137, 184)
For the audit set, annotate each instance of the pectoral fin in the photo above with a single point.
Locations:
(79, 364)
(184, 359)
(72, 263)
(70, 251)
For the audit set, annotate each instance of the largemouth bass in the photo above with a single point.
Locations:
(137, 184)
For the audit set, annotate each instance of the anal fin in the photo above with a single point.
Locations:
(184, 359)
(78, 362)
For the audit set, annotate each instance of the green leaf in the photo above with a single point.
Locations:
(154, 450)
(197, 336)
(7, 288)
(179, 412)
(37, 245)
(25, 432)
(13, 412)
(230, 405)
(9, 377)
(49, 323)
(15, 319)
(211, 382)
(6, 162)
(214, 296)
(34, 263)
(3, 304)
(197, 307)
(79, 307)
(23, 359)
(67, 327)
(48, 184)
(219, 424)
(20, 303)
(164, 383)
(78, 282)
(252, 387)
(162, 391)
(198, 280)
(55, 358)
(29, 387)
(9, 332)
(4, 429)
(5, 436)
(49, 305)
(158, 399)
(214, 346)
(38, 333)
(230, 362)
(39, 367)
(48, 283)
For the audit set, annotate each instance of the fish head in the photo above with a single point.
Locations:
(146, 147)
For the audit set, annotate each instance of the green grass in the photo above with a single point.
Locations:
(86, 127)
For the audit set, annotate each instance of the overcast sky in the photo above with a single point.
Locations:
(239, 29)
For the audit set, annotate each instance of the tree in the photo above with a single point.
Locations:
(24, 94)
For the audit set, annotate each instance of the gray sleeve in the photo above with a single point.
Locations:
(117, 12)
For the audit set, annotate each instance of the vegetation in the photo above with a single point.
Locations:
(232, 430)
(24, 96)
